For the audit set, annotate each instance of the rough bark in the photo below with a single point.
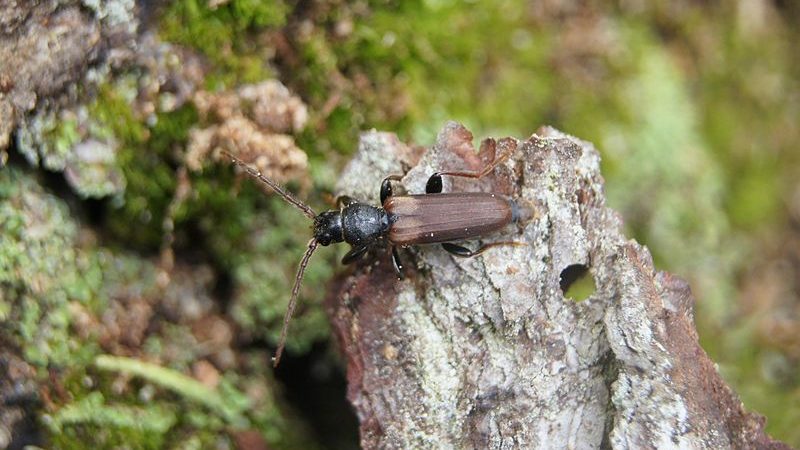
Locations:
(488, 353)
(44, 48)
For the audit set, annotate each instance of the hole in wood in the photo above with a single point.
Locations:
(576, 282)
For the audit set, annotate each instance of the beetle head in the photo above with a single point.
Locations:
(328, 228)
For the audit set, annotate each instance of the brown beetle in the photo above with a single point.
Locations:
(430, 218)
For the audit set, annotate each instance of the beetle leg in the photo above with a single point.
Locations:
(344, 200)
(354, 254)
(434, 184)
(386, 186)
(398, 264)
(458, 250)
(464, 252)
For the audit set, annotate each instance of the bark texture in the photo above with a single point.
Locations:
(45, 48)
(488, 353)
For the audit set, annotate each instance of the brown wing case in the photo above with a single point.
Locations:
(434, 218)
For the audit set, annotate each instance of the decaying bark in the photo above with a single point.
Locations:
(488, 353)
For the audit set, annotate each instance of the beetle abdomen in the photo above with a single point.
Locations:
(434, 218)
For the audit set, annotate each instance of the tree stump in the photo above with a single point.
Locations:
(488, 352)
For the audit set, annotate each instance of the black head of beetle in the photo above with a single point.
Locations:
(328, 228)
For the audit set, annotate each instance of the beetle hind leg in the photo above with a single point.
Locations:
(464, 252)
(434, 184)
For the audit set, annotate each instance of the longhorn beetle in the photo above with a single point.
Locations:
(430, 218)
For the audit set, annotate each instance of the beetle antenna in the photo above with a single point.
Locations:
(312, 245)
(275, 186)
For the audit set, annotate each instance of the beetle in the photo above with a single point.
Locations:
(430, 218)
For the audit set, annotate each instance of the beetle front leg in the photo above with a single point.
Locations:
(343, 200)
(386, 186)
(353, 255)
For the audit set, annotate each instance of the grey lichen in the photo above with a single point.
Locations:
(115, 13)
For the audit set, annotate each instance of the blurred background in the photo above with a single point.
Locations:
(144, 282)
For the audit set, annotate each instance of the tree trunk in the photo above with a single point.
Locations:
(489, 353)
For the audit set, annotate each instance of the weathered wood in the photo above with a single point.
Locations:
(488, 353)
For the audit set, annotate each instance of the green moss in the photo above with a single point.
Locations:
(482, 65)
(746, 117)
(229, 405)
(91, 418)
(674, 201)
(264, 274)
(163, 408)
(151, 179)
(41, 271)
(48, 275)
(225, 35)
(755, 198)
(112, 112)
(259, 240)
